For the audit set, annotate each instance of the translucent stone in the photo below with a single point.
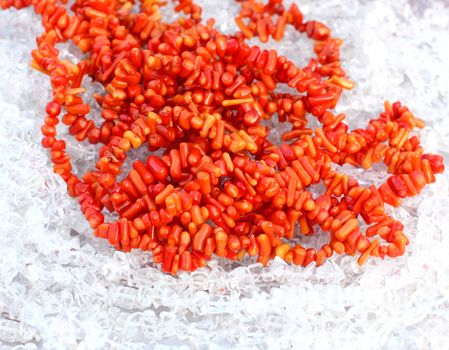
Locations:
(13, 331)
(32, 314)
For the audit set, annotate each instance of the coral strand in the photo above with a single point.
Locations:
(201, 97)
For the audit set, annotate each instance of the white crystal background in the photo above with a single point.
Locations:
(60, 288)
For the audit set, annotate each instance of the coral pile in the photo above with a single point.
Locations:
(213, 183)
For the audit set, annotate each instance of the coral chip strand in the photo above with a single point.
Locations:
(200, 98)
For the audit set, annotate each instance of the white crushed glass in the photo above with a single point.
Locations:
(60, 288)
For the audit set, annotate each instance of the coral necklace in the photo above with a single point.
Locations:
(200, 96)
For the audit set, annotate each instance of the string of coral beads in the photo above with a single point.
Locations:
(200, 98)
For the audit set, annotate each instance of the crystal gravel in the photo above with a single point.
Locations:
(60, 288)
